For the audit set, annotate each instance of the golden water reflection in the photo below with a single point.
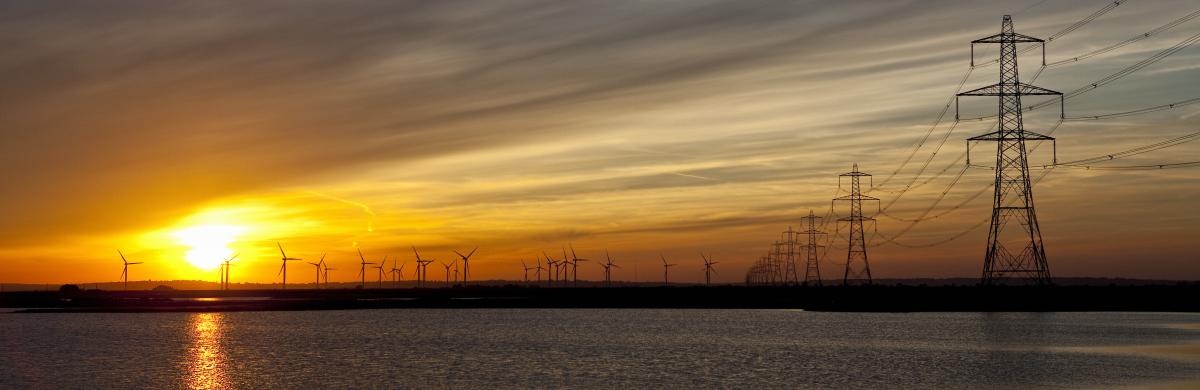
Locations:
(206, 360)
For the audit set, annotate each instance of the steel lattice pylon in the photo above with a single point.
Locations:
(1013, 199)
(812, 272)
(791, 273)
(858, 269)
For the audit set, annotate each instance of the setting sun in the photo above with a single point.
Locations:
(209, 244)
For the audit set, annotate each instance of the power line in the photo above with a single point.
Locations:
(962, 82)
(941, 115)
(1187, 164)
(945, 192)
(1147, 110)
(1119, 74)
(1126, 42)
(955, 236)
(1139, 150)
(1067, 30)
(1083, 163)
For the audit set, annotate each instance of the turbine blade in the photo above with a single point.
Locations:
(472, 251)
(281, 249)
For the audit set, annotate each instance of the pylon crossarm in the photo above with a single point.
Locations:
(993, 136)
(1008, 135)
(1032, 136)
(990, 90)
(856, 197)
(1009, 37)
(1026, 89)
(1013, 37)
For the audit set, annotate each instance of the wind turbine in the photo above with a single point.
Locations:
(225, 271)
(447, 265)
(553, 269)
(283, 267)
(421, 264)
(708, 268)
(526, 267)
(327, 274)
(318, 266)
(362, 269)
(575, 265)
(380, 267)
(666, 268)
(125, 270)
(608, 266)
(539, 269)
(566, 262)
(396, 272)
(466, 266)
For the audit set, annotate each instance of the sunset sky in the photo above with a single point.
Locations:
(181, 132)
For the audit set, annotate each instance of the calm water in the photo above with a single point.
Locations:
(594, 349)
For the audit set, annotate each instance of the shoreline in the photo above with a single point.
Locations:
(1174, 298)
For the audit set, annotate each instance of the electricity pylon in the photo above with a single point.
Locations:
(858, 269)
(812, 271)
(791, 275)
(1013, 199)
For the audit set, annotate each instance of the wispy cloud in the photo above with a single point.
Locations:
(525, 123)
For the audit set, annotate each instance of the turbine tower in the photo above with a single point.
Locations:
(397, 273)
(1014, 248)
(362, 269)
(812, 271)
(858, 269)
(283, 267)
(666, 269)
(381, 267)
(708, 267)
(318, 265)
(225, 271)
(575, 266)
(326, 275)
(527, 268)
(466, 267)
(125, 270)
(551, 269)
(608, 266)
(421, 264)
(539, 269)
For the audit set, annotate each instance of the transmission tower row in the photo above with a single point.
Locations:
(1014, 249)
(781, 264)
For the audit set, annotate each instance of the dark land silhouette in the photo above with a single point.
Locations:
(1175, 297)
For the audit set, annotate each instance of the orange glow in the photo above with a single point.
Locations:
(206, 360)
(209, 244)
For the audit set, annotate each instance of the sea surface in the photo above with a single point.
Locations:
(584, 348)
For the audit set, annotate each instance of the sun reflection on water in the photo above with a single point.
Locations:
(206, 360)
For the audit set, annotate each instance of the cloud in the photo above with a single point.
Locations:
(529, 120)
